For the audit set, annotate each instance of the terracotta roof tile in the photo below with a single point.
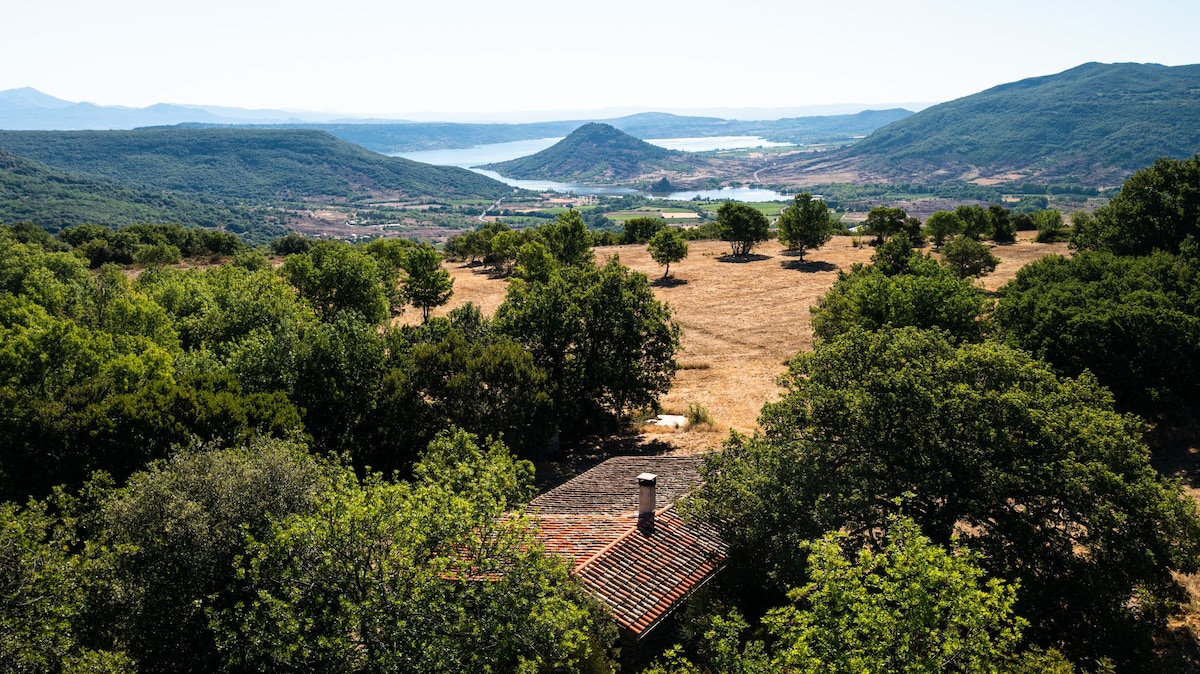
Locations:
(641, 575)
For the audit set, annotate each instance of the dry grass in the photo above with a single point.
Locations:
(741, 320)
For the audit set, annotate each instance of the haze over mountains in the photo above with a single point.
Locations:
(29, 109)
(1090, 126)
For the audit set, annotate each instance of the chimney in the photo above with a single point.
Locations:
(646, 500)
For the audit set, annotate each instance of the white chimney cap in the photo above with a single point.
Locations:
(647, 478)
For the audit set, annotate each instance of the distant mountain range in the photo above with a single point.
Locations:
(596, 153)
(30, 109)
(1096, 124)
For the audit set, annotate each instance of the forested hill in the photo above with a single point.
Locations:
(594, 152)
(1096, 123)
(245, 165)
(33, 192)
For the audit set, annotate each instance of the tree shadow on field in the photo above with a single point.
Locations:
(808, 266)
(740, 259)
(668, 282)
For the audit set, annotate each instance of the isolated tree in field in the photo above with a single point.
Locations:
(942, 225)
(805, 224)
(884, 222)
(743, 226)
(667, 246)
(427, 285)
(968, 257)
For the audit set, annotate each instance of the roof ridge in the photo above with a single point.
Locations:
(613, 543)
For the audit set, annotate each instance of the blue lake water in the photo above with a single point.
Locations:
(471, 157)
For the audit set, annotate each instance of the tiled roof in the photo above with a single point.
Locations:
(642, 575)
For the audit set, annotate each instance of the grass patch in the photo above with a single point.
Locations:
(698, 414)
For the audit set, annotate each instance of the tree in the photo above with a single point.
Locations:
(641, 229)
(43, 596)
(427, 284)
(568, 240)
(667, 246)
(1000, 224)
(1050, 226)
(924, 294)
(910, 607)
(1157, 208)
(440, 575)
(941, 225)
(1126, 320)
(968, 257)
(974, 220)
(337, 277)
(743, 226)
(804, 224)
(606, 344)
(884, 222)
(1035, 473)
(171, 536)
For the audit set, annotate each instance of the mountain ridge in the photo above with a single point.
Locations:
(594, 152)
(1095, 123)
(239, 165)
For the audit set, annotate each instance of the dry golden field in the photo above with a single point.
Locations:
(741, 320)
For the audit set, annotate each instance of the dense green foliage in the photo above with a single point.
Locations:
(593, 152)
(910, 606)
(641, 229)
(804, 224)
(1094, 123)
(969, 258)
(1132, 322)
(242, 165)
(1157, 209)
(429, 576)
(55, 199)
(908, 289)
(607, 345)
(1035, 473)
(743, 226)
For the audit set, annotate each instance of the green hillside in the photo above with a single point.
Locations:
(32, 192)
(245, 165)
(595, 153)
(1096, 123)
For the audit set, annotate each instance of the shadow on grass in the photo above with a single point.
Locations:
(668, 282)
(808, 266)
(740, 259)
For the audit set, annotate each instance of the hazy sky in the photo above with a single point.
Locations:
(476, 57)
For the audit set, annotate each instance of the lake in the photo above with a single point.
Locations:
(470, 157)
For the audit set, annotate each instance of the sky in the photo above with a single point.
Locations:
(489, 59)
